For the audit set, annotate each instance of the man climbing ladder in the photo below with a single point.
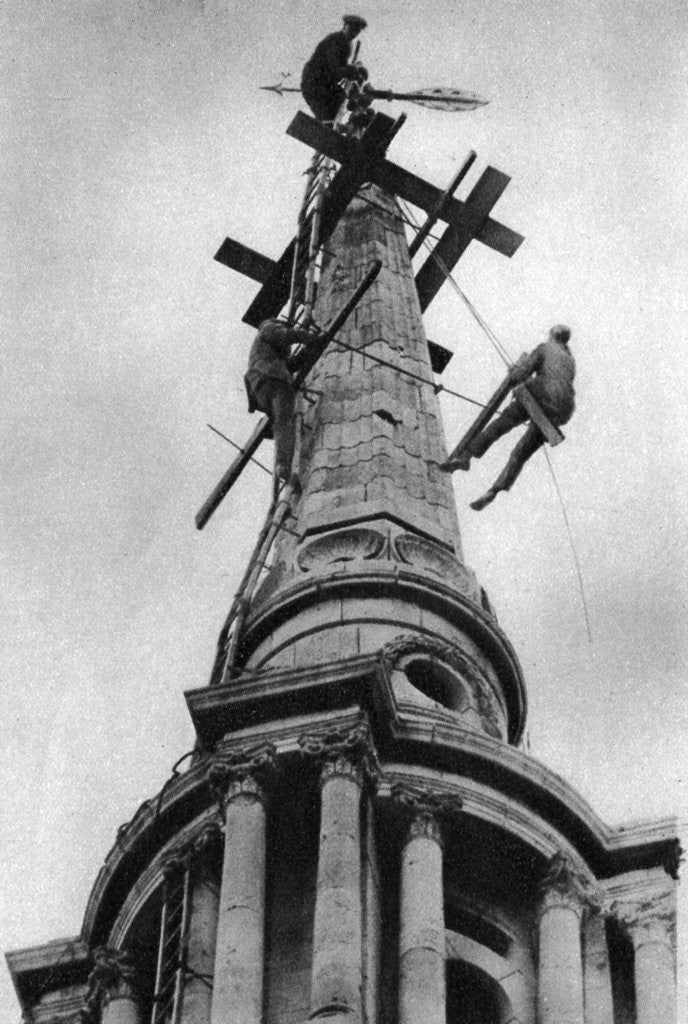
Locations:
(270, 386)
(554, 370)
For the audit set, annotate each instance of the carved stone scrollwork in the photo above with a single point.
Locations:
(425, 554)
(203, 840)
(342, 546)
(652, 919)
(241, 772)
(564, 886)
(449, 654)
(344, 752)
(428, 809)
(113, 977)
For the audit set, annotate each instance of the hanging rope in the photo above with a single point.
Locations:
(571, 543)
(492, 337)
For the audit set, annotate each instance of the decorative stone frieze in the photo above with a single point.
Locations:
(428, 556)
(113, 978)
(241, 772)
(427, 808)
(347, 752)
(399, 650)
(341, 546)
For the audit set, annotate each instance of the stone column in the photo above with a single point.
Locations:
(239, 953)
(112, 997)
(337, 973)
(564, 896)
(597, 981)
(650, 925)
(202, 929)
(422, 944)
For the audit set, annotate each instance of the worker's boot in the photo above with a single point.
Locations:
(487, 498)
(462, 462)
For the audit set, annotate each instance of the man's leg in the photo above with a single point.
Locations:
(282, 406)
(511, 417)
(527, 446)
(276, 399)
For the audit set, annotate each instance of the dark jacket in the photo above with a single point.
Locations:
(268, 358)
(329, 63)
(552, 387)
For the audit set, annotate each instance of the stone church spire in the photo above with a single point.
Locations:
(372, 554)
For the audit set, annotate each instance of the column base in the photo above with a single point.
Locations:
(336, 1013)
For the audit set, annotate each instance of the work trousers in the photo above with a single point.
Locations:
(511, 417)
(323, 97)
(276, 399)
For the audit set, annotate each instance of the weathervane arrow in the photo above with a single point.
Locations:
(435, 98)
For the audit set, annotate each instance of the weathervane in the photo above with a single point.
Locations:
(435, 98)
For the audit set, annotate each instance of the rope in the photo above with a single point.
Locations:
(492, 337)
(407, 373)
(571, 543)
(238, 447)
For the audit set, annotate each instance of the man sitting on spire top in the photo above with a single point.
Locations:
(329, 65)
(551, 387)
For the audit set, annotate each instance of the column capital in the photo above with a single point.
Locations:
(241, 771)
(649, 920)
(180, 857)
(344, 752)
(428, 809)
(566, 887)
(113, 977)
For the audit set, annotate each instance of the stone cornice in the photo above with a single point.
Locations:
(36, 970)
(403, 583)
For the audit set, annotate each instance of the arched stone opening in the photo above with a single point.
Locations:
(473, 997)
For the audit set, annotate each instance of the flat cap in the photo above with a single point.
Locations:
(355, 19)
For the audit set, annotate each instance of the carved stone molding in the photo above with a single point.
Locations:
(426, 554)
(341, 546)
(242, 771)
(347, 752)
(113, 977)
(648, 920)
(564, 886)
(428, 809)
(449, 654)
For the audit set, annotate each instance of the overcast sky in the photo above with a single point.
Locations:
(134, 138)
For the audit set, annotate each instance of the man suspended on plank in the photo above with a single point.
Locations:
(270, 387)
(552, 369)
(331, 64)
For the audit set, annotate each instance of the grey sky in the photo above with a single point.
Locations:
(134, 139)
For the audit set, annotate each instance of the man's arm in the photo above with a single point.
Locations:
(526, 366)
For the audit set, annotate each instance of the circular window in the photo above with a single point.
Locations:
(437, 681)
